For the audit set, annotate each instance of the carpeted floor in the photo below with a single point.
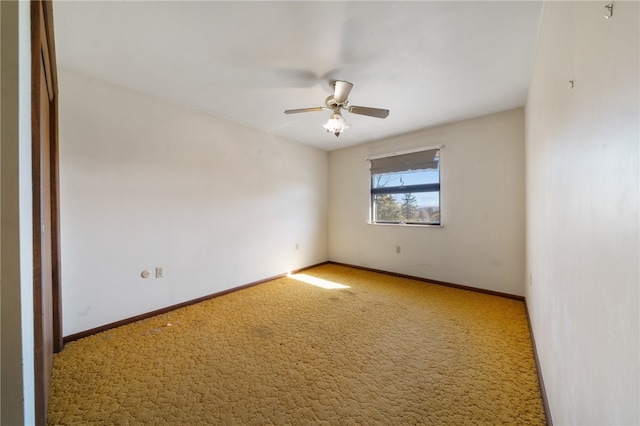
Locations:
(370, 349)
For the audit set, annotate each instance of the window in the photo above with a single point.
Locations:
(405, 188)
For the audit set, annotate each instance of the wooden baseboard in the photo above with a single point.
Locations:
(427, 280)
(543, 392)
(86, 333)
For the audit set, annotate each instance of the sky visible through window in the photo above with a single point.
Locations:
(411, 177)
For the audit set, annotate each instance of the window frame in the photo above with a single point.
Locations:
(420, 188)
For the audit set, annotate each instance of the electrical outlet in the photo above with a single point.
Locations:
(145, 273)
(297, 246)
(397, 249)
(159, 272)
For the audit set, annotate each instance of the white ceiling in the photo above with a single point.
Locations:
(427, 62)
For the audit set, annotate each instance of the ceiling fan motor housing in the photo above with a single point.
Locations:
(331, 103)
(341, 90)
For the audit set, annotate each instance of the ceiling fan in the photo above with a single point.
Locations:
(339, 101)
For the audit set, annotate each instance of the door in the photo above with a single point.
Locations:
(46, 253)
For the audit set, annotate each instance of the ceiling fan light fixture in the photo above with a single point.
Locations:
(336, 124)
(339, 101)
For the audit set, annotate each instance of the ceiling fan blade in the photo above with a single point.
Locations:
(295, 111)
(341, 90)
(371, 112)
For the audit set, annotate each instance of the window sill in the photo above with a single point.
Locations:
(407, 225)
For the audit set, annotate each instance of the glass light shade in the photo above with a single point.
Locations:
(336, 124)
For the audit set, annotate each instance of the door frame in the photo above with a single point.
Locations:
(43, 50)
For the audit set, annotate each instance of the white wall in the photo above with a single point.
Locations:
(16, 263)
(482, 177)
(582, 211)
(148, 183)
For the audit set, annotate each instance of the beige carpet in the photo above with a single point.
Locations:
(374, 350)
